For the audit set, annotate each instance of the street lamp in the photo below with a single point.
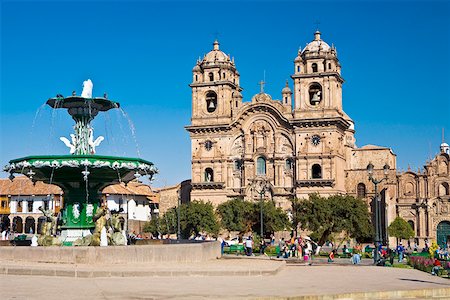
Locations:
(260, 186)
(377, 199)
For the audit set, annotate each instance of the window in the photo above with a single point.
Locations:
(30, 206)
(316, 171)
(411, 223)
(443, 189)
(211, 101)
(298, 68)
(289, 165)
(361, 190)
(315, 94)
(314, 67)
(211, 76)
(196, 77)
(329, 66)
(237, 164)
(209, 175)
(223, 75)
(45, 204)
(261, 166)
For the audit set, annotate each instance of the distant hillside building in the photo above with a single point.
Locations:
(303, 143)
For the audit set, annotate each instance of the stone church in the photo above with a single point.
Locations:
(300, 144)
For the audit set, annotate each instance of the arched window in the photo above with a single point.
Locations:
(224, 75)
(261, 166)
(316, 171)
(298, 68)
(211, 101)
(196, 77)
(411, 223)
(289, 165)
(361, 190)
(329, 66)
(30, 225)
(444, 189)
(237, 164)
(211, 76)
(314, 67)
(209, 175)
(409, 188)
(315, 94)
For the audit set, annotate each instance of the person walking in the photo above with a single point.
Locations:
(400, 251)
(249, 246)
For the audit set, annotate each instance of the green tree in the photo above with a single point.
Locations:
(400, 229)
(235, 215)
(295, 215)
(195, 217)
(274, 218)
(324, 216)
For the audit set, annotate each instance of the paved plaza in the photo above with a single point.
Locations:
(230, 279)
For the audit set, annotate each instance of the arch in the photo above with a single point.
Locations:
(261, 166)
(17, 225)
(5, 223)
(30, 226)
(209, 175)
(361, 190)
(211, 101)
(211, 76)
(409, 188)
(41, 221)
(411, 223)
(289, 164)
(316, 171)
(443, 189)
(443, 233)
(314, 68)
(315, 93)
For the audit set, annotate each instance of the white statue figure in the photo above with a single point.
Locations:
(72, 146)
(93, 144)
(34, 240)
(103, 237)
(87, 89)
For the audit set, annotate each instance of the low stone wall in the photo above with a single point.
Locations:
(182, 253)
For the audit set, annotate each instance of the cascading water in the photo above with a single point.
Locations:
(83, 174)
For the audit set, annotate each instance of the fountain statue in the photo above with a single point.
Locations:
(82, 175)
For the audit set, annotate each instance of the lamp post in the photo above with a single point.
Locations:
(377, 200)
(178, 215)
(260, 186)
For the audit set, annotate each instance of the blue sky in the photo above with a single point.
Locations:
(394, 56)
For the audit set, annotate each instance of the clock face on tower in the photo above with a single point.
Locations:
(315, 140)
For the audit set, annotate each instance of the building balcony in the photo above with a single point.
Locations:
(319, 182)
(208, 185)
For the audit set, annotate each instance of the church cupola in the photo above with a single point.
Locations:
(286, 95)
(214, 84)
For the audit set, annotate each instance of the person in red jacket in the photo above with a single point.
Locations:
(437, 266)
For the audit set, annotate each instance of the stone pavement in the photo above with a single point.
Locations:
(292, 281)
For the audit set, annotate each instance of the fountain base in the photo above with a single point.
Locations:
(69, 235)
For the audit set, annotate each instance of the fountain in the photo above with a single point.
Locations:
(82, 175)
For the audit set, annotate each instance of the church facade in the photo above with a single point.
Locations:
(302, 143)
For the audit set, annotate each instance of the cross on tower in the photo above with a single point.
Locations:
(261, 83)
(317, 22)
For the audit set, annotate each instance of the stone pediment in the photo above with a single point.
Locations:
(261, 97)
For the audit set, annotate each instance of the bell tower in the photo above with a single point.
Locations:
(215, 88)
(317, 80)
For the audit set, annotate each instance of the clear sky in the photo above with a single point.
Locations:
(394, 55)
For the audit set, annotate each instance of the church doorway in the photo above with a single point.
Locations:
(443, 233)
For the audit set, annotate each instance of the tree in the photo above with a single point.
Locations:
(235, 215)
(195, 217)
(295, 215)
(324, 216)
(274, 218)
(400, 229)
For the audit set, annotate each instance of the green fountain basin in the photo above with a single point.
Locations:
(82, 178)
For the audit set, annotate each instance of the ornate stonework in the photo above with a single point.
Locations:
(303, 143)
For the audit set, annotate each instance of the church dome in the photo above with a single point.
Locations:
(317, 44)
(286, 89)
(215, 55)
